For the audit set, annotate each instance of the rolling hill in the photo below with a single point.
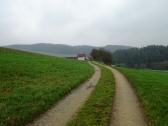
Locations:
(64, 50)
(30, 83)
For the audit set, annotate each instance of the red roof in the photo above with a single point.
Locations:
(81, 55)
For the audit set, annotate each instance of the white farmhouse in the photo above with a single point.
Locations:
(82, 56)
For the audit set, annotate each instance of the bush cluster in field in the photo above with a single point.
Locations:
(152, 88)
(30, 83)
(97, 109)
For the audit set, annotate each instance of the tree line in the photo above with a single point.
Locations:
(154, 57)
(102, 55)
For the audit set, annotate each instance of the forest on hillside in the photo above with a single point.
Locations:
(154, 57)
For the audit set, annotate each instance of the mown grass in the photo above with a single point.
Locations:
(152, 88)
(97, 110)
(31, 83)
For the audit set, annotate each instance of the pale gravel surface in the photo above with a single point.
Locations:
(126, 108)
(64, 110)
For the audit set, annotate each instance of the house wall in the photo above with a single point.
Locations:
(81, 58)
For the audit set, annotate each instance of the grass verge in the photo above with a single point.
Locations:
(31, 83)
(97, 109)
(152, 88)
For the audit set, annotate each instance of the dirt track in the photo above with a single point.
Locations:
(63, 111)
(126, 109)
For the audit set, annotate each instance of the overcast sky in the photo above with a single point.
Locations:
(84, 22)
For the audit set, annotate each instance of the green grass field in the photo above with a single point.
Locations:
(152, 88)
(97, 110)
(31, 83)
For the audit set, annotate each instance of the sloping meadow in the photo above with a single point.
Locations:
(31, 83)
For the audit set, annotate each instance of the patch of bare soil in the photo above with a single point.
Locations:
(126, 108)
(64, 110)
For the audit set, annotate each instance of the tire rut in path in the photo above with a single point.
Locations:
(126, 108)
(64, 110)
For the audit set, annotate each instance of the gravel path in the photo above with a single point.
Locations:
(64, 110)
(126, 108)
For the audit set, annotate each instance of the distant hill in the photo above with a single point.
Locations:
(64, 50)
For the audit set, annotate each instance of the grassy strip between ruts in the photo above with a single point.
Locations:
(152, 88)
(30, 83)
(97, 109)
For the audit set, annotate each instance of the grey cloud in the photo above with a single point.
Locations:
(77, 22)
